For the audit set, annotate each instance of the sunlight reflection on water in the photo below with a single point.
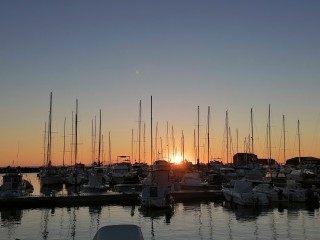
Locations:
(205, 220)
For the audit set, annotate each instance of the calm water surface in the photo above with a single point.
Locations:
(205, 220)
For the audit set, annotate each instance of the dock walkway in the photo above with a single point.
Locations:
(69, 200)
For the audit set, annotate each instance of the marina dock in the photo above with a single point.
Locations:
(69, 200)
(87, 199)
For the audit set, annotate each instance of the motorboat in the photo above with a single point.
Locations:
(241, 193)
(274, 194)
(14, 185)
(192, 181)
(98, 181)
(156, 187)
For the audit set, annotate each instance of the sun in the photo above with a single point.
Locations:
(177, 159)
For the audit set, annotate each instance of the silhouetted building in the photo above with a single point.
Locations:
(241, 159)
(303, 160)
(244, 158)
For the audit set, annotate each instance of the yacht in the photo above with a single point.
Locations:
(14, 185)
(156, 187)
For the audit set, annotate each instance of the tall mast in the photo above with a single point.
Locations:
(230, 143)
(76, 135)
(144, 142)
(194, 146)
(72, 147)
(227, 131)
(92, 142)
(132, 144)
(44, 143)
(64, 140)
(284, 139)
(237, 144)
(208, 134)
(156, 147)
(173, 143)
(109, 149)
(102, 149)
(99, 153)
(168, 141)
(95, 137)
(299, 142)
(151, 150)
(182, 146)
(49, 133)
(252, 132)
(139, 128)
(198, 154)
(269, 130)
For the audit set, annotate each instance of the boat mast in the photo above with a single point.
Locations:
(230, 142)
(299, 143)
(132, 144)
(151, 134)
(76, 135)
(99, 153)
(95, 137)
(182, 142)
(144, 142)
(64, 140)
(168, 141)
(237, 145)
(269, 130)
(49, 133)
(227, 131)
(139, 128)
(173, 143)
(71, 152)
(44, 143)
(252, 132)
(284, 139)
(156, 147)
(208, 134)
(198, 153)
(109, 149)
(92, 140)
(194, 146)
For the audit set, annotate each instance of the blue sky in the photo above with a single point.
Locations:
(229, 55)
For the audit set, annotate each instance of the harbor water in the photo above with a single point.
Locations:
(186, 220)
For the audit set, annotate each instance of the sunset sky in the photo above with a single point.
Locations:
(229, 55)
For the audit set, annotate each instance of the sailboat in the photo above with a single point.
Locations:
(77, 174)
(49, 174)
(156, 187)
(98, 179)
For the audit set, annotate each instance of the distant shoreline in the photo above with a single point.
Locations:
(20, 169)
